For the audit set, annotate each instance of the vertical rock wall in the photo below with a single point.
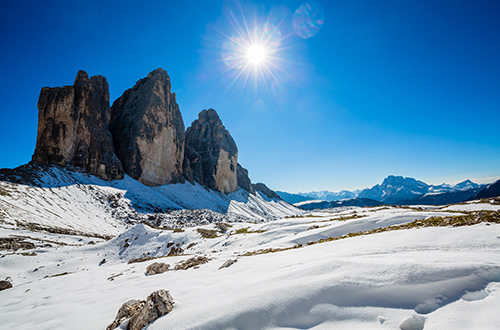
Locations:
(216, 150)
(77, 127)
(148, 131)
(73, 127)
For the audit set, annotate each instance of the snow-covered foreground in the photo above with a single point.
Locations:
(422, 278)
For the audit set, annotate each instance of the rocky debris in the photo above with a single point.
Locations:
(15, 243)
(157, 304)
(73, 127)
(207, 233)
(313, 227)
(5, 284)
(223, 227)
(157, 268)
(58, 230)
(175, 251)
(265, 190)
(217, 151)
(191, 263)
(140, 259)
(127, 310)
(228, 263)
(148, 131)
(243, 178)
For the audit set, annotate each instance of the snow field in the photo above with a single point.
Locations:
(445, 277)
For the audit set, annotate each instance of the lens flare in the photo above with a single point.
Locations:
(308, 20)
(251, 47)
(256, 54)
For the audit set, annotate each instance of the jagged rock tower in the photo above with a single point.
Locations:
(210, 145)
(73, 127)
(148, 131)
(141, 135)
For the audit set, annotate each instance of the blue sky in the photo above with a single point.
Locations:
(397, 87)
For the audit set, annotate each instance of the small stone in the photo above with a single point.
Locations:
(228, 263)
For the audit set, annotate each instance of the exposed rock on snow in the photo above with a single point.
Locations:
(127, 310)
(73, 127)
(158, 304)
(4, 284)
(192, 263)
(217, 150)
(148, 131)
(157, 268)
(228, 263)
(175, 250)
(15, 243)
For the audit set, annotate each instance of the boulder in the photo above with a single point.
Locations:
(4, 285)
(73, 127)
(127, 310)
(158, 304)
(217, 153)
(157, 268)
(148, 131)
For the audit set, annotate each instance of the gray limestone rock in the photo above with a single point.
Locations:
(158, 304)
(148, 131)
(217, 153)
(157, 268)
(73, 127)
(127, 310)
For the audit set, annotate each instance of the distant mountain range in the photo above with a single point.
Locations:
(395, 190)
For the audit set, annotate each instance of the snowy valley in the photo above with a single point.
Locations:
(346, 268)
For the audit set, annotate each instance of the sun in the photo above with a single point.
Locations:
(256, 54)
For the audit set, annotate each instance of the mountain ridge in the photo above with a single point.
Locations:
(396, 190)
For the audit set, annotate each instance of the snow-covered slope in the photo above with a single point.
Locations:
(412, 279)
(81, 202)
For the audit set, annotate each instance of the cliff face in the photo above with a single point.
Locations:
(148, 131)
(216, 150)
(243, 179)
(73, 127)
(141, 135)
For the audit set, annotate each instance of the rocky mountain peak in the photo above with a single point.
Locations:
(81, 77)
(214, 149)
(148, 131)
(159, 72)
(73, 127)
(142, 135)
